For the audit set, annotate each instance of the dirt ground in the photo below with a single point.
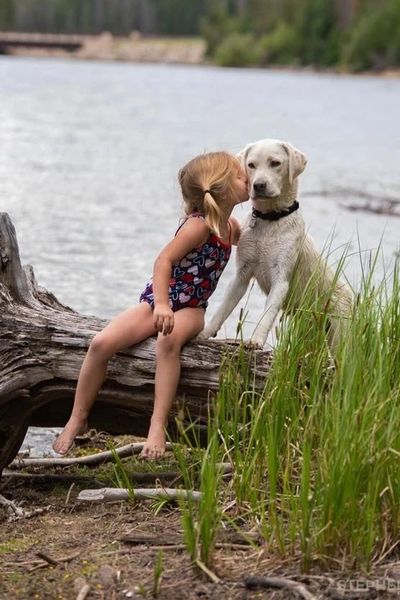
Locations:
(84, 541)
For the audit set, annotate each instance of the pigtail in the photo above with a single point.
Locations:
(212, 213)
(206, 182)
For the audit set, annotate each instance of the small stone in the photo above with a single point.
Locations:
(394, 572)
(106, 575)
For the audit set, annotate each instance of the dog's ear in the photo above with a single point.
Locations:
(242, 155)
(297, 161)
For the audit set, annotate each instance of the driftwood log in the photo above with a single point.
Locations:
(43, 343)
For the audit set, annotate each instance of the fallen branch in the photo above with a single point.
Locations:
(151, 539)
(49, 478)
(168, 547)
(22, 563)
(164, 540)
(210, 574)
(47, 558)
(15, 512)
(115, 494)
(253, 582)
(12, 508)
(44, 478)
(91, 459)
(42, 565)
(83, 592)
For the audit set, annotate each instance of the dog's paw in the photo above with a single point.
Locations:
(254, 343)
(208, 332)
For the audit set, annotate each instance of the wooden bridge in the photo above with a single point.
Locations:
(14, 39)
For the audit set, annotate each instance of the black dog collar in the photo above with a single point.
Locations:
(275, 215)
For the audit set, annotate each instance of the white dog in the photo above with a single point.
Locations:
(273, 242)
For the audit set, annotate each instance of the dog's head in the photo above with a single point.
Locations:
(272, 167)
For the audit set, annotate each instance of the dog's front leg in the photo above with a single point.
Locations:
(275, 301)
(236, 290)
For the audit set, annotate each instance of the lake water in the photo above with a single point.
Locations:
(90, 153)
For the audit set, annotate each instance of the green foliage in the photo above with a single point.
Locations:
(157, 573)
(121, 475)
(356, 35)
(217, 25)
(280, 46)
(374, 42)
(261, 15)
(318, 33)
(201, 520)
(120, 17)
(178, 17)
(7, 14)
(238, 50)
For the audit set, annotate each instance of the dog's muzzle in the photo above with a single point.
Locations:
(261, 190)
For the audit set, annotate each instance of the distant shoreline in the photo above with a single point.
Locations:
(134, 48)
(164, 50)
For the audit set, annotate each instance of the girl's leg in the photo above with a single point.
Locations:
(188, 323)
(128, 328)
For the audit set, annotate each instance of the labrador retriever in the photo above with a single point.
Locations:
(274, 246)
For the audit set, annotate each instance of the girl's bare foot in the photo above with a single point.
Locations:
(154, 446)
(64, 442)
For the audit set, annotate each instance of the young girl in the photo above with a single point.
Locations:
(173, 304)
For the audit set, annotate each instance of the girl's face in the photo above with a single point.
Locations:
(240, 186)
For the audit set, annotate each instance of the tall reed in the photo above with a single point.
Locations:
(317, 451)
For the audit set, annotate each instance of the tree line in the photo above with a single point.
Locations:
(357, 34)
(120, 17)
(353, 34)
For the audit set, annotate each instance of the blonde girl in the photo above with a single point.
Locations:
(173, 304)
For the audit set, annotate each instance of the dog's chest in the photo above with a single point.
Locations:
(263, 248)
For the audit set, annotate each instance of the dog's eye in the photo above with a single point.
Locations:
(275, 163)
(251, 165)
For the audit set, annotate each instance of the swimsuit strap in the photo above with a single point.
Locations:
(230, 235)
(202, 216)
(195, 214)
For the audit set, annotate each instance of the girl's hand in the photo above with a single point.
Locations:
(163, 318)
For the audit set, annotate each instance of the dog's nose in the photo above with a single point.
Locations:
(260, 188)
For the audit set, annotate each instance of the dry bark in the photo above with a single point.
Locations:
(43, 343)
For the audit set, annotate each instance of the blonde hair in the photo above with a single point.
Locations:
(206, 182)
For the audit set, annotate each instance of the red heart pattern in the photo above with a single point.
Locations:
(195, 276)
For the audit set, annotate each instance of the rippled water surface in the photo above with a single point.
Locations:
(90, 153)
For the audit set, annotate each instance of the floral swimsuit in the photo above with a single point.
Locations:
(195, 276)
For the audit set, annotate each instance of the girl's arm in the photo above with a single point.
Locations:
(236, 229)
(193, 233)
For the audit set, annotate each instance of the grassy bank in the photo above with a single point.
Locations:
(316, 455)
(313, 497)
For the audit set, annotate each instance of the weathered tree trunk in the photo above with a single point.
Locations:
(43, 343)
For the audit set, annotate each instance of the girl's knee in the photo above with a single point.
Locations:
(100, 346)
(168, 344)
